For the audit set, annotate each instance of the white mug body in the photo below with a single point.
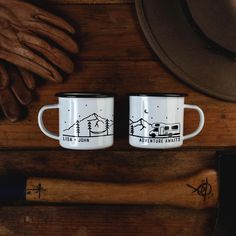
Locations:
(157, 120)
(86, 120)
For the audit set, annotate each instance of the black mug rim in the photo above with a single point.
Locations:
(84, 95)
(158, 94)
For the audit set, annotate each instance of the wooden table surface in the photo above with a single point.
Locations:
(114, 57)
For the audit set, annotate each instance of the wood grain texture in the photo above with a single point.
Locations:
(108, 32)
(114, 57)
(104, 221)
(119, 77)
(117, 69)
(176, 192)
(64, 2)
(112, 166)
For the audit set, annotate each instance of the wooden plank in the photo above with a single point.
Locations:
(122, 78)
(110, 33)
(64, 2)
(104, 221)
(115, 166)
(106, 32)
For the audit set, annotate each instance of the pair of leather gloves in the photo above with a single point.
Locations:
(27, 38)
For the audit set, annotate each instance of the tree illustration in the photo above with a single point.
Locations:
(132, 130)
(107, 126)
(89, 128)
(77, 128)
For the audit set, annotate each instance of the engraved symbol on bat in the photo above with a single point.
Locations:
(204, 189)
(38, 189)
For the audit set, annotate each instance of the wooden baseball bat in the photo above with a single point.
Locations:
(198, 191)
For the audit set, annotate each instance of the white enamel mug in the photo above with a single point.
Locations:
(86, 120)
(157, 120)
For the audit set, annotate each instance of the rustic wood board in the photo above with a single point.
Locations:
(64, 2)
(103, 67)
(118, 77)
(114, 54)
(115, 166)
(103, 221)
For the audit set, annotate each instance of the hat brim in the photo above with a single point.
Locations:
(182, 49)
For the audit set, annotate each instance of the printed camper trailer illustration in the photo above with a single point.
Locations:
(165, 130)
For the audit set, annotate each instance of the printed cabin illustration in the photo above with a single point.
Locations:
(90, 126)
(144, 129)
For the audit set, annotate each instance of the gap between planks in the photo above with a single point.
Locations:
(63, 2)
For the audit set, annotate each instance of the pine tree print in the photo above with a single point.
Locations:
(107, 126)
(77, 128)
(132, 130)
(89, 128)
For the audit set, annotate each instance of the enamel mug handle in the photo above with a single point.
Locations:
(201, 122)
(41, 124)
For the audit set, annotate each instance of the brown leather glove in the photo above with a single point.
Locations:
(16, 87)
(20, 26)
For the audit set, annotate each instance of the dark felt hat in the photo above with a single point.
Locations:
(195, 39)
